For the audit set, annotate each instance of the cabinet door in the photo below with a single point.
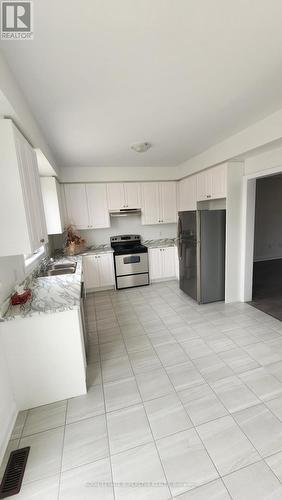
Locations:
(35, 195)
(132, 195)
(202, 186)
(91, 272)
(155, 263)
(187, 194)
(76, 205)
(218, 181)
(115, 193)
(106, 269)
(97, 205)
(168, 258)
(25, 171)
(168, 209)
(150, 203)
(52, 205)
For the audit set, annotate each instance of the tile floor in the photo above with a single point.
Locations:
(184, 402)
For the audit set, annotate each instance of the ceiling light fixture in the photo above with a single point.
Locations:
(141, 147)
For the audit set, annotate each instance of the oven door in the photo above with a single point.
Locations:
(131, 264)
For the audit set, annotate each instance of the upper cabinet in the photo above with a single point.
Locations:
(187, 194)
(22, 218)
(123, 195)
(76, 205)
(211, 183)
(97, 202)
(87, 205)
(53, 205)
(159, 202)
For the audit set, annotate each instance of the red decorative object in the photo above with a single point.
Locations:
(21, 298)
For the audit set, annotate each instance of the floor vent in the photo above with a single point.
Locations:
(14, 472)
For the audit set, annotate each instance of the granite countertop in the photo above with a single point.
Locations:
(51, 293)
(98, 249)
(166, 242)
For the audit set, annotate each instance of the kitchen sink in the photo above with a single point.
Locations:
(57, 269)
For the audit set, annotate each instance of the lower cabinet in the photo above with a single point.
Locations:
(98, 271)
(162, 263)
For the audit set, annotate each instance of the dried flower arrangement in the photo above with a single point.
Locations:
(74, 243)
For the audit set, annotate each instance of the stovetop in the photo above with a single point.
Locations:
(127, 244)
(123, 249)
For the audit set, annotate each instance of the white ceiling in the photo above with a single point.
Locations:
(182, 74)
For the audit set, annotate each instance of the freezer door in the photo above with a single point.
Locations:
(211, 256)
(187, 253)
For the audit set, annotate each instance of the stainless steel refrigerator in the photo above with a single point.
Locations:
(201, 252)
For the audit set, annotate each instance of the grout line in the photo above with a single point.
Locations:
(62, 454)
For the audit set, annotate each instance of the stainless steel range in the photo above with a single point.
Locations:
(131, 261)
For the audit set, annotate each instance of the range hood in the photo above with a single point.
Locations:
(124, 212)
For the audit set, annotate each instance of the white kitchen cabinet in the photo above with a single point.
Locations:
(150, 203)
(87, 205)
(76, 205)
(22, 218)
(211, 183)
(218, 181)
(187, 194)
(159, 203)
(115, 194)
(53, 207)
(132, 195)
(98, 271)
(97, 206)
(167, 200)
(123, 195)
(162, 263)
(91, 272)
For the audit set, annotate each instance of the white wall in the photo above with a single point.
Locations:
(234, 231)
(268, 219)
(111, 174)
(264, 162)
(8, 410)
(21, 113)
(265, 132)
(11, 273)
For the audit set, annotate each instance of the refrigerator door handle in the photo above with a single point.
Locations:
(179, 239)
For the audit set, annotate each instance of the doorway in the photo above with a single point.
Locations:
(267, 255)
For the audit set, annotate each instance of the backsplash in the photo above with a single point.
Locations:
(123, 225)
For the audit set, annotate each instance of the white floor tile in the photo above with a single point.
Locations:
(44, 489)
(45, 417)
(86, 406)
(85, 442)
(89, 482)
(263, 429)
(139, 465)
(121, 394)
(185, 461)
(227, 445)
(234, 394)
(154, 384)
(202, 404)
(128, 428)
(45, 454)
(167, 416)
(255, 482)
(262, 383)
(212, 491)
(184, 375)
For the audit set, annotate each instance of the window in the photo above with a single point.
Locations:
(31, 260)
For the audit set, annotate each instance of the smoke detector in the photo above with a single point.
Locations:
(141, 147)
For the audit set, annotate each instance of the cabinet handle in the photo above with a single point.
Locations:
(208, 195)
(42, 240)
